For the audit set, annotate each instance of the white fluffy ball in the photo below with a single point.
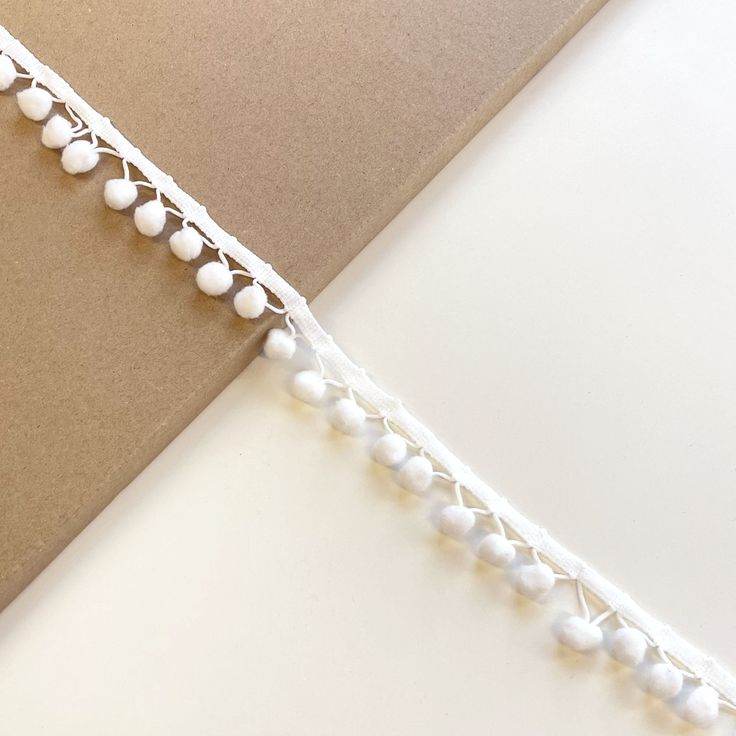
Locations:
(389, 449)
(456, 521)
(663, 681)
(701, 706)
(415, 474)
(35, 103)
(150, 218)
(8, 72)
(119, 193)
(79, 157)
(57, 132)
(578, 634)
(496, 550)
(346, 416)
(629, 646)
(279, 345)
(308, 386)
(533, 580)
(250, 301)
(186, 244)
(214, 278)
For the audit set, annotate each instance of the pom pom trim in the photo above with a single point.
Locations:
(340, 375)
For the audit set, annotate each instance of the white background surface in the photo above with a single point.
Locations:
(558, 306)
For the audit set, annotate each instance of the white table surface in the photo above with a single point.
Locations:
(558, 305)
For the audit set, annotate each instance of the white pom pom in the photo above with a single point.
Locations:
(279, 345)
(186, 244)
(415, 474)
(663, 681)
(308, 386)
(250, 301)
(346, 416)
(119, 193)
(79, 157)
(389, 449)
(456, 521)
(8, 72)
(150, 218)
(629, 646)
(533, 580)
(35, 103)
(57, 132)
(214, 278)
(701, 706)
(579, 634)
(497, 550)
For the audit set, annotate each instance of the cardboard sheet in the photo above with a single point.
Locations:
(304, 128)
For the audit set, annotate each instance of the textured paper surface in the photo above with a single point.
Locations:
(304, 128)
